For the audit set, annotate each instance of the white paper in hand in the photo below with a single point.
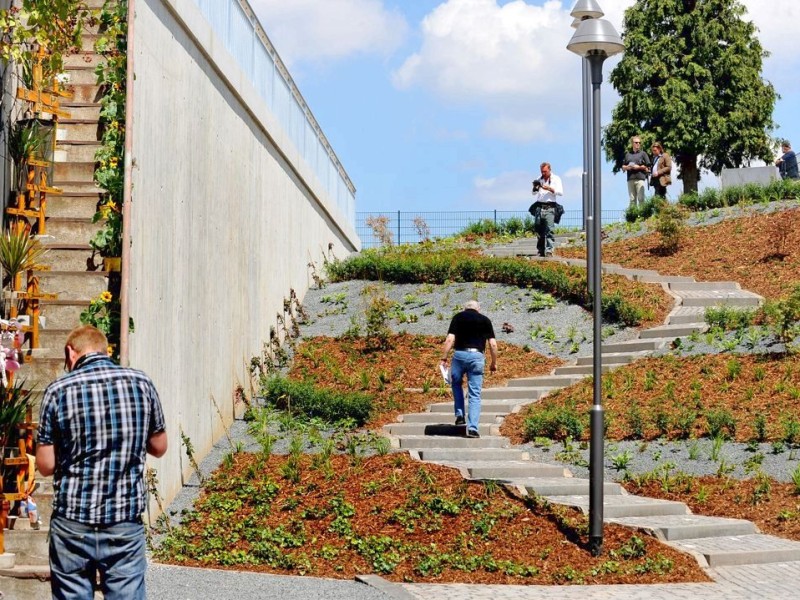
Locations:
(445, 373)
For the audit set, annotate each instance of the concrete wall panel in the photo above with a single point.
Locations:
(225, 218)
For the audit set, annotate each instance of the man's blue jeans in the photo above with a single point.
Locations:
(547, 222)
(471, 365)
(78, 552)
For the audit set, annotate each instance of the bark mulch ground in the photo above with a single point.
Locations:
(760, 252)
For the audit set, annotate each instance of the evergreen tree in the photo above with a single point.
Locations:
(690, 77)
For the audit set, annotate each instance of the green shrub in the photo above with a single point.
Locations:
(646, 210)
(729, 318)
(555, 422)
(720, 423)
(670, 226)
(307, 400)
(784, 316)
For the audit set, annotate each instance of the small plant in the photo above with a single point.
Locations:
(621, 461)
(380, 229)
(540, 301)
(670, 226)
(720, 423)
(187, 444)
(423, 231)
(796, 480)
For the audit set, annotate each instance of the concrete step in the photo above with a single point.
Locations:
(418, 442)
(80, 74)
(76, 150)
(615, 507)
(683, 527)
(74, 285)
(514, 393)
(583, 370)
(673, 331)
(21, 572)
(77, 187)
(78, 130)
(663, 279)
(547, 381)
(29, 546)
(687, 314)
(72, 205)
(71, 257)
(741, 549)
(720, 298)
(468, 454)
(685, 286)
(639, 345)
(507, 469)
(82, 111)
(72, 171)
(432, 418)
(565, 486)
(434, 430)
(502, 407)
(613, 358)
(63, 314)
(71, 230)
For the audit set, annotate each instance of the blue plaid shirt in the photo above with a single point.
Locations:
(98, 419)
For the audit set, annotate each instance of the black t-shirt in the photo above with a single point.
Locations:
(471, 329)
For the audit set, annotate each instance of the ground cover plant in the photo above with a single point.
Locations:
(338, 516)
(734, 397)
(624, 301)
(759, 251)
(401, 377)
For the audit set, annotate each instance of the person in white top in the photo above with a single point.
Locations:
(545, 208)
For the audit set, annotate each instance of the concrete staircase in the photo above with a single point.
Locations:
(714, 541)
(74, 273)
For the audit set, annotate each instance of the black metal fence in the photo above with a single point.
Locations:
(411, 227)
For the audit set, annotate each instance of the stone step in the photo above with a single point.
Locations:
(503, 407)
(417, 442)
(615, 507)
(685, 286)
(613, 358)
(82, 111)
(63, 314)
(80, 74)
(741, 549)
(682, 527)
(674, 331)
(88, 41)
(79, 188)
(583, 370)
(637, 274)
(434, 430)
(30, 547)
(74, 205)
(70, 230)
(663, 279)
(565, 486)
(72, 171)
(639, 345)
(75, 130)
(687, 314)
(514, 393)
(547, 381)
(81, 59)
(71, 257)
(40, 372)
(720, 298)
(74, 285)
(507, 469)
(433, 418)
(76, 151)
(20, 572)
(84, 92)
(467, 454)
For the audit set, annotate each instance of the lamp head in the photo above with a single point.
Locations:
(595, 36)
(586, 9)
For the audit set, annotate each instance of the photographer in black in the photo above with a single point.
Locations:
(545, 209)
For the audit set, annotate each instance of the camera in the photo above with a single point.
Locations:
(536, 185)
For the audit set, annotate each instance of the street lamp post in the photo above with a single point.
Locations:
(586, 9)
(596, 40)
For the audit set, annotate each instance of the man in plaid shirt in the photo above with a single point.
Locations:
(97, 424)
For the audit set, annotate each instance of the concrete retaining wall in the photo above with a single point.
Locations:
(225, 219)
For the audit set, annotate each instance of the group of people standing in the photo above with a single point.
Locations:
(640, 169)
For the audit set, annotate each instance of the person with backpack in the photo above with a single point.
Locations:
(545, 209)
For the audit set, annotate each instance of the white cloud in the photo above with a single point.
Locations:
(504, 56)
(310, 30)
(574, 173)
(505, 191)
(518, 130)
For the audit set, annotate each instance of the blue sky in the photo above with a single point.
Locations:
(452, 104)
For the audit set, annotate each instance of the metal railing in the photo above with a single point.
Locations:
(407, 227)
(236, 25)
